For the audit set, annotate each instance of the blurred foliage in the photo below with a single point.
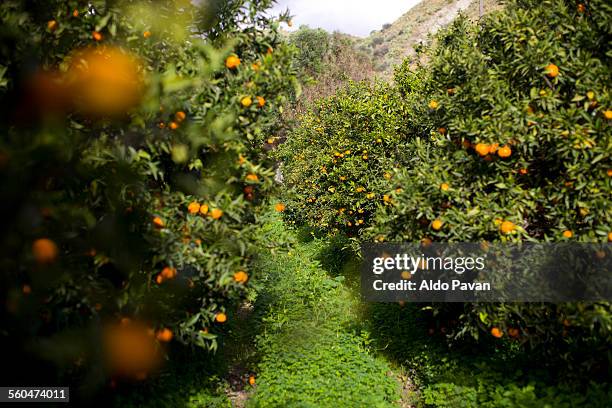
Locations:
(132, 172)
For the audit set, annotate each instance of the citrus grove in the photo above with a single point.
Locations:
(182, 226)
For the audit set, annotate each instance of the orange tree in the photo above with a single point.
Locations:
(341, 161)
(132, 164)
(519, 151)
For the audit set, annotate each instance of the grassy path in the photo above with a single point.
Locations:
(311, 352)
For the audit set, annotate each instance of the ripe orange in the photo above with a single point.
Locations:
(26, 289)
(168, 272)
(552, 70)
(568, 234)
(246, 101)
(513, 332)
(523, 171)
(75, 13)
(252, 379)
(493, 148)
(164, 335)
(216, 213)
(241, 277)
(279, 207)
(232, 62)
(608, 114)
(442, 130)
(433, 105)
(609, 236)
(496, 332)
(252, 177)
(204, 209)
(437, 224)
(146, 34)
(507, 227)
(581, 8)
(261, 101)
(180, 116)
(221, 317)
(444, 186)
(158, 222)
(173, 125)
(52, 25)
(504, 152)
(97, 36)
(159, 279)
(609, 172)
(482, 149)
(193, 207)
(44, 250)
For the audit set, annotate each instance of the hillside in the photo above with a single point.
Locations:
(395, 41)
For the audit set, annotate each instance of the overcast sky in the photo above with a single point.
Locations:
(357, 17)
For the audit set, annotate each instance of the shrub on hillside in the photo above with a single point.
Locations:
(131, 166)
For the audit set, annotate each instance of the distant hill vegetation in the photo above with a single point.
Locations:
(396, 41)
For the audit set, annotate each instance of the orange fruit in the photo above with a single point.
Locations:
(279, 207)
(444, 186)
(246, 101)
(52, 25)
(609, 236)
(232, 62)
(269, 51)
(437, 224)
(261, 101)
(241, 277)
(180, 116)
(146, 34)
(523, 171)
(44, 250)
(568, 234)
(204, 209)
(164, 335)
(75, 13)
(609, 172)
(252, 379)
(159, 279)
(433, 105)
(173, 125)
(216, 214)
(507, 227)
(168, 272)
(26, 289)
(193, 208)
(221, 317)
(504, 152)
(482, 149)
(493, 148)
(608, 114)
(97, 36)
(158, 222)
(252, 177)
(496, 332)
(552, 71)
(513, 332)
(581, 8)
(442, 130)
(255, 66)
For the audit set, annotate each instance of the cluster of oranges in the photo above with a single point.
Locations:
(196, 208)
(498, 333)
(166, 274)
(484, 150)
